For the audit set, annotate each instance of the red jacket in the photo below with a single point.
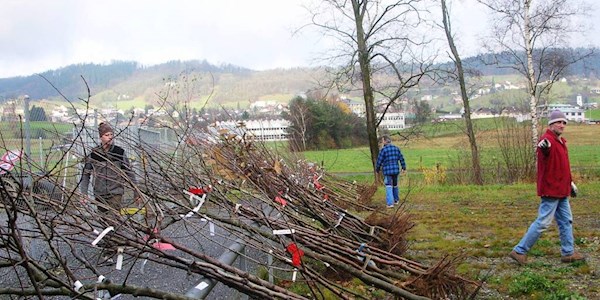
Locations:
(553, 168)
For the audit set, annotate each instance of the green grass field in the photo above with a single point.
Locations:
(482, 224)
(593, 114)
(435, 148)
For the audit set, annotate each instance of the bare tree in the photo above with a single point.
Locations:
(460, 75)
(258, 201)
(532, 38)
(300, 121)
(376, 39)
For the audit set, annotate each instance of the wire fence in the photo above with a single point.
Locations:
(30, 132)
(45, 153)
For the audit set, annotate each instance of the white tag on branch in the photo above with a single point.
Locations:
(202, 285)
(100, 292)
(283, 231)
(198, 199)
(211, 228)
(102, 234)
(339, 220)
(143, 266)
(77, 285)
(119, 258)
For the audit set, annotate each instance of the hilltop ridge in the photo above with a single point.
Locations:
(133, 84)
(133, 81)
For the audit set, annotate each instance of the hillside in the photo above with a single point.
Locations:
(131, 82)
(133, 85)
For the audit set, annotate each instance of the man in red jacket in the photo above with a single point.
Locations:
(554, 186)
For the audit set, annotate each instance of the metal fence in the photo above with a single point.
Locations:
(36, 150)
(30, 132)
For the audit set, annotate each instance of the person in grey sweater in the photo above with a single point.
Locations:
(110, 168)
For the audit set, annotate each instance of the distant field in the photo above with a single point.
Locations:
(12, 130)
(593, 114)
(128, 104)
(444, 143)
(280, 98)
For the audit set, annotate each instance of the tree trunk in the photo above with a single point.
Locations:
(531, 76)
(365, 70)
(475, 162)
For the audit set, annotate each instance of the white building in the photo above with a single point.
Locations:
(482, 113)
(573, 113)
(513, 112)
(59, 114)
(579, 100)
(392, 121)
(357, 108)
(263, 130)
(448, 117)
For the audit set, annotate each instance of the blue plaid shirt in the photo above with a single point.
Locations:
(388, 159)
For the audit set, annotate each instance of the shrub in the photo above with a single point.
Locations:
(435, 175)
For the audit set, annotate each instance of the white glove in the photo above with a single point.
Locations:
(544, 144)
(573, 189)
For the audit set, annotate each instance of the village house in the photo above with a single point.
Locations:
(482, 113)
(572, 112)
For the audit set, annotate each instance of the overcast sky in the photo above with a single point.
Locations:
(41, 35)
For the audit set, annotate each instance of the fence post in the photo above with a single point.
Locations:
(95, 118)
(27, 126)
(41, 152)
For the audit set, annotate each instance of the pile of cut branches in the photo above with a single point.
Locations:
(270, 203)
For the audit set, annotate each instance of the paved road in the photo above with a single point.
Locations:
(139, 272)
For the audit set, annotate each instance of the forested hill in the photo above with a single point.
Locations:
(583, 68)
(70, 80)
(231, 83)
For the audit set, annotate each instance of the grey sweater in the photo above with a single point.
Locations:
(109, 168)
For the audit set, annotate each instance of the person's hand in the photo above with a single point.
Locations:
(84, 200)
(573, 190)
(544, 144)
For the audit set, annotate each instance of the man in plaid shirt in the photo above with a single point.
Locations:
(388, 159)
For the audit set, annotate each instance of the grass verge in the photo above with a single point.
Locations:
(485, 222)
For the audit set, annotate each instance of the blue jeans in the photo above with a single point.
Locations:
(550, 208)
(391, 189)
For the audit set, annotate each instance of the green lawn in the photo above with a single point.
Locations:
(483, 223)
(593, 114)
(357, 160)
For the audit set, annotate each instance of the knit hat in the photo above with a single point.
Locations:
(556, 116)
(103, 128)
